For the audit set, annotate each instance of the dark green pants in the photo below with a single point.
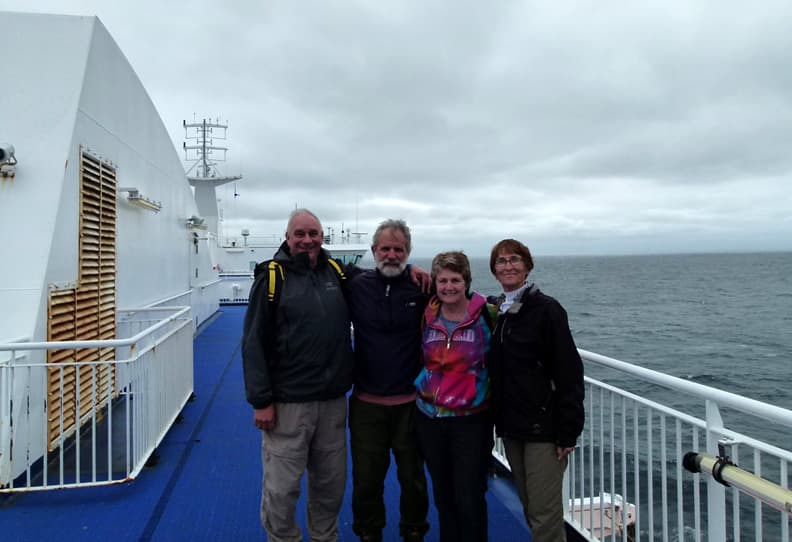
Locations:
(375, 431)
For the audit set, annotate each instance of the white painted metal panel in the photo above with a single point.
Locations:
(72, 90)
(39, 104)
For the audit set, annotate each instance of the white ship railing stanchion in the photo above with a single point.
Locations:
(716, 493)
(785, 516)
(680, 525)
(6, 366)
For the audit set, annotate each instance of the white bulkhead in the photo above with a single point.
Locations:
(69, 95)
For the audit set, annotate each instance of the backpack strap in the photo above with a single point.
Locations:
(274, 282)
(277, 276)
(337, 268)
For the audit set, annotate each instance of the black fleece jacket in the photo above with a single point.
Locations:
(305, 354)
(536, 372)
(386, 313)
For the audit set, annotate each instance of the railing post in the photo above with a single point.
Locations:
(5, 420)
(716, 493)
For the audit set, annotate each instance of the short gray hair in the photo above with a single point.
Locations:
(302, 211)
(393, 224)
(455, 261)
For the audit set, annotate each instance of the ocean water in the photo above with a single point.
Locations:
(722, 320)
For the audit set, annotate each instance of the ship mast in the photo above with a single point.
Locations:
(205, 155)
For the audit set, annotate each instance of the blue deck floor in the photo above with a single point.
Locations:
(206, 484)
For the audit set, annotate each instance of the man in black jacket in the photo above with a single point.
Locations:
(386, 308)
(297, 361)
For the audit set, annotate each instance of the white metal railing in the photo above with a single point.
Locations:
(631, 453)
(235, 287)
(257, 241)
(208, 284)
(176, 298)
(151, 380)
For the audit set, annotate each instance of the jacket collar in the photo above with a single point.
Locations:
(477, 301)
(401, 276)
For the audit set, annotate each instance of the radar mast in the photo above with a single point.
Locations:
(204, 155)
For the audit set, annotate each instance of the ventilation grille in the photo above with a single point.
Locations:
(86, 312)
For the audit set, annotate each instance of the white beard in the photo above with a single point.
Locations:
(391, 271)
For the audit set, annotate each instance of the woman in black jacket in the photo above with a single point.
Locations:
(537, 389)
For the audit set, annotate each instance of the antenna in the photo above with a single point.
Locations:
(357, 228)
(204, 155)
(357, 233)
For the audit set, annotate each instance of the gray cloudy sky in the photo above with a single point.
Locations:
(591, 127)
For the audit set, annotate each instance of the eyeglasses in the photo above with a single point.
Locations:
(514, 260)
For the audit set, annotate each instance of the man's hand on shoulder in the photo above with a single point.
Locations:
(421, 278)
(264, 418)
(351, 270)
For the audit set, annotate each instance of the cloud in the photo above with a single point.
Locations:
(580, 127)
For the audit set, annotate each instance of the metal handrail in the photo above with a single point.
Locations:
(723, 398)
(107, 343)
(167, 299)
(209, 283)
(145, 393)
(691, 420)
(633, 446)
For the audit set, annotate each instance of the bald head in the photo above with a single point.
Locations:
(304, 234)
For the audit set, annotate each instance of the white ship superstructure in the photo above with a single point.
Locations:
(95, 210)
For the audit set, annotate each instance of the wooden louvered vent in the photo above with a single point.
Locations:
(87, 312)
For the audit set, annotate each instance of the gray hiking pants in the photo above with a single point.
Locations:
(307, 436)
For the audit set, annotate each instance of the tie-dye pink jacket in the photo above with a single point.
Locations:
(454, 380)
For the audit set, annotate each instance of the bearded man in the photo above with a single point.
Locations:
(386, 308)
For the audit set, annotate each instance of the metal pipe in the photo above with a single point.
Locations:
(729, 474)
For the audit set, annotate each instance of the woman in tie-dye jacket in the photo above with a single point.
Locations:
(454, 424)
